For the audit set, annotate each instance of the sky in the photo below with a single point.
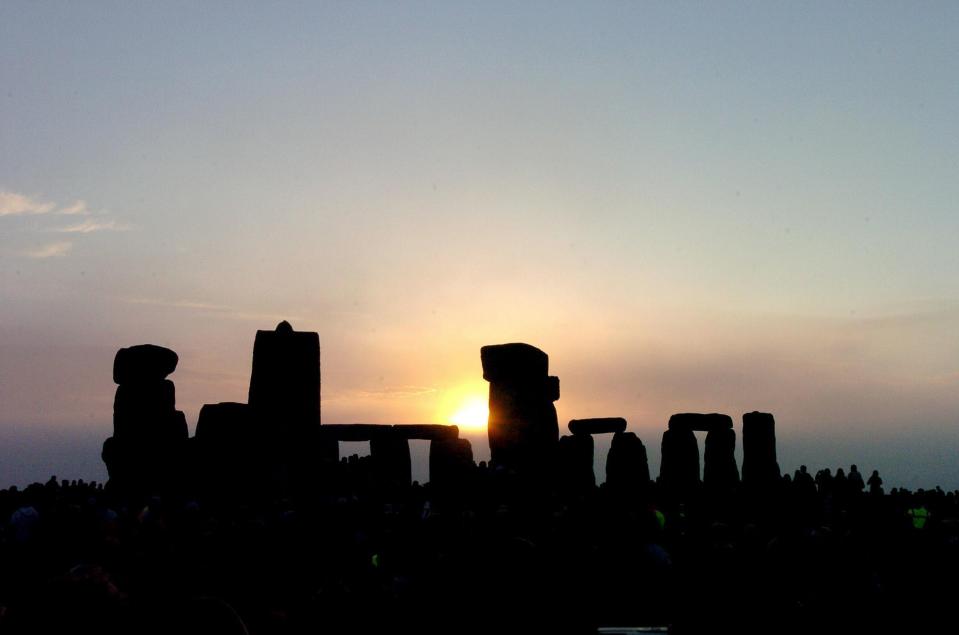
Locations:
(706, 207)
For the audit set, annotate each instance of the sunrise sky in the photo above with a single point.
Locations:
(691, 207)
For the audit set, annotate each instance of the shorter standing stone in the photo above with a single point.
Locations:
(679, 470)
(575, 462)
(760, 467)
(719, 460)
(627, 466)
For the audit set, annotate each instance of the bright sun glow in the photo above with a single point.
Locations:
(472, 413)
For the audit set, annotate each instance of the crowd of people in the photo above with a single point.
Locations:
(830, 552)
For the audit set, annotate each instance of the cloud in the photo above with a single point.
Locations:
(79, 208)
(395, 392)
(219, 309)
(90, 225)
(83, 222)
(13, 204)
(52, 250)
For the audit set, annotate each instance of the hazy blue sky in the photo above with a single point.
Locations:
(690, 207)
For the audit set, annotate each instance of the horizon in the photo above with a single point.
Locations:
(689, 209)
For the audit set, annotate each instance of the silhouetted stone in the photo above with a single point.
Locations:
(426, 431)
(603, 425)
(145, 397)
(513, 363)
(627, 466)
(225, 423)
(451, 463)
(575, 462)
(226, 451)
(679, 469)
(700, 422)
(147, 453)
(390, 456)
(523, 428)
(285, 382)
(143, 363)
(760, 468)
(719, 460)
(177, 428)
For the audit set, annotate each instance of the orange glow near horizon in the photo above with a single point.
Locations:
(465, 405)
(472, 414)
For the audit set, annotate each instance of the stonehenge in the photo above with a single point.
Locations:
(277, 439)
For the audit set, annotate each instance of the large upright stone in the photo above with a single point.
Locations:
(627, 466)
(720, 472)
(285, 383)
(679, 468)
(760, 467)
(523, 428)
(147, 451)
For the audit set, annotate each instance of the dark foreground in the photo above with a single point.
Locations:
(504, 557)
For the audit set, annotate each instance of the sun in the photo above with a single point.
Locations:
(473, 412)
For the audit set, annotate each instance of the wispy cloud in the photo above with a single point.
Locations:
(90, 225)
(82, 221)
(78, 208)
(51, 250)
(219, 309)
(14, 204)
(395, 392)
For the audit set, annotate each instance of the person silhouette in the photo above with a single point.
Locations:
(854, 480)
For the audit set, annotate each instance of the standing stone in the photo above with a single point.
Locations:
(147, 451)
(575, 462)
(285, 401)
(627, 466)
(719, 460)
(285, 382)
(679, 469)
(523, 428)
(224, 447)
(760, 468)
